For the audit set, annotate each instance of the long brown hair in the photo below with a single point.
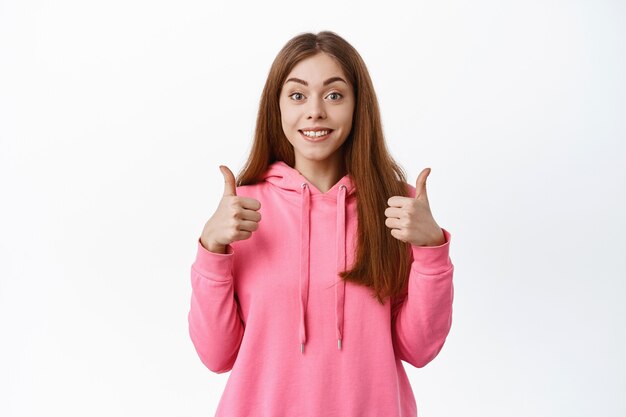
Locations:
(382, 262)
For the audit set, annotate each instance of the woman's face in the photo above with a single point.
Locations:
(316, 96)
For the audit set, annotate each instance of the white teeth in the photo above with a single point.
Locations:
(315, 134)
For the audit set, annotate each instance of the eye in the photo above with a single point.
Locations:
(335, 94)
(292, 94)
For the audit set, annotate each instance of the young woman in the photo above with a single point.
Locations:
(322, 268)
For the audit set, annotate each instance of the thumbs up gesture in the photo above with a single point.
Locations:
(410, 219)
(234, 219)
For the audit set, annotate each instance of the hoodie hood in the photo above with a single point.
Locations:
(283, 176)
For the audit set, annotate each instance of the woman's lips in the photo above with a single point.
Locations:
(316, 138)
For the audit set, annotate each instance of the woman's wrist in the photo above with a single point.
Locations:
(213, 246)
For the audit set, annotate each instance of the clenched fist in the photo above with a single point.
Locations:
(235, 218)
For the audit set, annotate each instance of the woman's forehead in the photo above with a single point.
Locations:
(317, 68)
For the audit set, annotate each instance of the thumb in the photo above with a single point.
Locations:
(229, 181)
(420, 184)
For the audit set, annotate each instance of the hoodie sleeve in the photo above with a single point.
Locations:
(215, 325)
(422, 317)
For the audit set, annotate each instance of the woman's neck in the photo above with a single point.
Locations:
(322, 174)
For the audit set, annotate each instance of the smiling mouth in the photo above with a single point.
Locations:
(314, 137)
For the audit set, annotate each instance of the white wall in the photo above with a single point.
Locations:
(114, 117)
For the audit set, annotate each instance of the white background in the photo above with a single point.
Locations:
(114, 117)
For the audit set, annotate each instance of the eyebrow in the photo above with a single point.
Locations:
(328, 81)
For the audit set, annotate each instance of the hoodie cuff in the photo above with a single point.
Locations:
(215, 266)
(432, 260)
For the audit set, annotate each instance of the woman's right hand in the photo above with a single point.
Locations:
(235, 218)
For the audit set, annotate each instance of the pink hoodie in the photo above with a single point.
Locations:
(299, 340)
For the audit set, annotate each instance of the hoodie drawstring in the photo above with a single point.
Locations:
(305, 225)
(340, 288)
(304, 260)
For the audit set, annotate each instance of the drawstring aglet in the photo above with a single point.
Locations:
(301, 347)
(339, 344)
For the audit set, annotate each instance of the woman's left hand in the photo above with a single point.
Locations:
(410, 219)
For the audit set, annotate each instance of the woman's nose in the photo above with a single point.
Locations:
(316, 109)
